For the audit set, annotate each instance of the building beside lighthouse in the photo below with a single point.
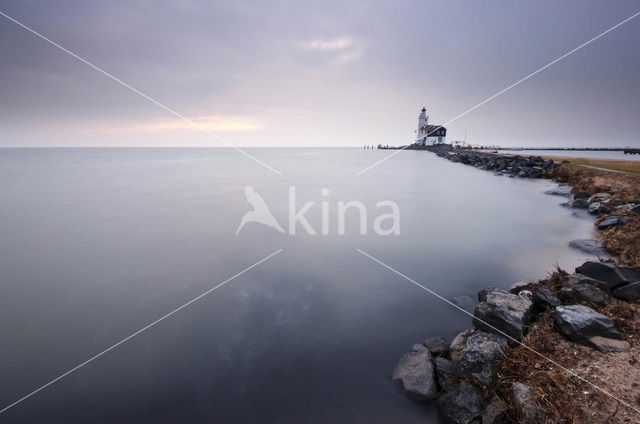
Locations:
(429, 135)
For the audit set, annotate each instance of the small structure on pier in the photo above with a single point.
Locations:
(429, 135)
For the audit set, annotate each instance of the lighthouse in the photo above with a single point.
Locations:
(429, 135)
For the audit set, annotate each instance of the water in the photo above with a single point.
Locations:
(97, 243)
(576, 154)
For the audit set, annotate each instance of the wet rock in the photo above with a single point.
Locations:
(579, 204)
(575, 279)
(631, 273)
(612, 221)
(590, 246)
(437, 345)
(527, 404)
(607, 273)
(482, 294)
(505, 312)
(583, 293)
(608, 345)
(493, 413)
(462, 404)
(636, 209)
(626, 207)
(581, 195)
(628, 292)
(544, 299)
(579, 323)
(416, 374)
(559, 191)
(527, 294)
(448, 373)
(478, 354)
(599, 197)
(467, 303)
(598, 208)
(516, 287)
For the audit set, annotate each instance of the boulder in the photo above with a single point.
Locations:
(559, 191)
(579, 323)
(583, 293)
(503, 312)
(467, 303)
(579, 204)
(628, 292)
(612, 221)
(478, 354)
(636, 209)
(516, 287)
(608, 345)
(581, 195)
(448, 373)
(604, 272)
(416, 374)
(598, 208)
(631, 273)
(599, 197)
(494, 413)
(575, 279)
(527, 404)
(462, 404)
(527, 294)
(544, 299)
(593, 247)
(437, 345)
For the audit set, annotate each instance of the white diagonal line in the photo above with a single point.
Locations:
(497, 330)
(135, 90)
(507, 88)
(136, 333)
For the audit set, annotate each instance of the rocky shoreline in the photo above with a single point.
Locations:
(460, 374)
(466, 377)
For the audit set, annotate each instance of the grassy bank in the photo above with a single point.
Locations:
(623, 240)
(593, 164)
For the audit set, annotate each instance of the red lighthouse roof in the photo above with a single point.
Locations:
(424, 109)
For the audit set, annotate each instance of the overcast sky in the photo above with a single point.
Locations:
(318, 73)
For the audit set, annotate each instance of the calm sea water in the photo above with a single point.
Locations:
(97, 243)
(577, 154)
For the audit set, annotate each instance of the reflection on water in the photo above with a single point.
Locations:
(97, 243)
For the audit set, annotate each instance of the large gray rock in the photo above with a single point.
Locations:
(462, 404)
(575, 279)
(579, 323)
(583, 293)
(631, 273)
(593, 247)
(437, 345)
(448, 373)
(579, 204)
(544, 299)
(607, 273)
(559, 191)
(467, 303)
(608, 345)
(503, 312)
(628, 292)
(527, 404)
(416, 374)
(478, 354)
(612, 221)
(599, 197)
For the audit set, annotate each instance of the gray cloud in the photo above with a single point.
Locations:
(319, 73)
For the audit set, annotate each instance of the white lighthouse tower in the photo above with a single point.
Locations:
(423, 121)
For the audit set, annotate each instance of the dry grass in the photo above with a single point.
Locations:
(619, 165)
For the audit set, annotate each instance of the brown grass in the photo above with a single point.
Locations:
(619, 165)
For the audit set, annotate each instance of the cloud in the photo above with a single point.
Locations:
(214, 123)
(328, 44)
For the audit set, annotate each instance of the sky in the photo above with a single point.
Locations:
(321, 73)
